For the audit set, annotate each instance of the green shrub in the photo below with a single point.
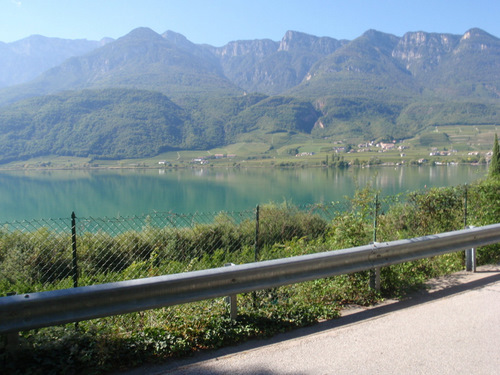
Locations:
(281, 223)
(426, 212)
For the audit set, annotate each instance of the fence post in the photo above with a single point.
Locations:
(75, 256)
(73, 243)
(375, 273)
(465, 207)
(256, 248)
(256, 244)
(232, 300)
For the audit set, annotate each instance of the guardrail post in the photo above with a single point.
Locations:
(11, 339)
(470, 258)
(375, 277)
(232, 301)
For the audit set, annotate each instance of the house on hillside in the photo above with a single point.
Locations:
(387, 146)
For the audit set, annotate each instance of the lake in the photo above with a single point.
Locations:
(26, 195)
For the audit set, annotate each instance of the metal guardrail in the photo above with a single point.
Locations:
(29, 311)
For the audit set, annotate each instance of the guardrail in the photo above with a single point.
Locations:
(30, 311)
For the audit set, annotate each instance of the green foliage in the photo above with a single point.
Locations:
(281, 223)
(494, 170)
(431, 211)
(275, 114)
(40, 257)
(338, 162)
(110, 124)
(401, 279)
(484, 209)
(440, 113)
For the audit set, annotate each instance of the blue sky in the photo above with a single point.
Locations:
(218, 22)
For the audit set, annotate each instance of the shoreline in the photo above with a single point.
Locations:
(238, 166)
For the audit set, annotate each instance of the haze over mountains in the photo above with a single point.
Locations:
(147, 93)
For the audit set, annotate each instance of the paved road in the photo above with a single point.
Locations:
(453, 328)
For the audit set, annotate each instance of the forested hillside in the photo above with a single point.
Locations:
(112, 123)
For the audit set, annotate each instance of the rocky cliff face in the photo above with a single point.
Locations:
(273, 67)
(422, 51)
(237, 49)
(452, 64)
(294, 41)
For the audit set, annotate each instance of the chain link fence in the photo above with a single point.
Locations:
(39, 255)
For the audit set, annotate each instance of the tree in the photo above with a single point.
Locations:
(495, 159)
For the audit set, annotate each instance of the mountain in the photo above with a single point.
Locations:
(25, 59)
(141, 59)
(109, 123)
(272, 67)
(376, 86)
(368, 86)
(362, 68)
(452, 66)
(127, 123)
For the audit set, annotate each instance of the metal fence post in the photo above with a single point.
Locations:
(232, 300)
(256, 244)
(256, 248)
(465, 207)
(375, 273)
(73, 244)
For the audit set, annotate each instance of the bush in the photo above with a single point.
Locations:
(40, 257)
(427, 212)
(281, 223)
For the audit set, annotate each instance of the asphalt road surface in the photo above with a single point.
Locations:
(452, 328)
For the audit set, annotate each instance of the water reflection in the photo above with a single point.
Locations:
(55, 194)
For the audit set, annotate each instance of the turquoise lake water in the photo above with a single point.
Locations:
(26, 195)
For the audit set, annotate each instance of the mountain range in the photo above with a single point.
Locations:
(145, 93)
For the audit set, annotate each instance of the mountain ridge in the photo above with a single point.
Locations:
(368, 87)
(23, 60)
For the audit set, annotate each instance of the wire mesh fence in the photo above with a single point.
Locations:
(40, 255)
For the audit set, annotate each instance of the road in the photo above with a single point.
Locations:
(452, 328)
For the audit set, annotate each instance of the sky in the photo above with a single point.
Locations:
(217, 22)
